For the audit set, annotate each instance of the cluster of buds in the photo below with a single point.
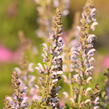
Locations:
(65, 4)
(46, 12)
(53, 65)
(82, 54)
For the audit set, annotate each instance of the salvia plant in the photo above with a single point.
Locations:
(65, 75)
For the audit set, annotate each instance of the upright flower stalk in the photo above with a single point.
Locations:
(82, 61)
(50, 72)
(18, 99)
(25, 90)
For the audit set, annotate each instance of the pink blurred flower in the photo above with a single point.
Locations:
(9, 56)
(106, 62)
(6, 55)
(62, 104)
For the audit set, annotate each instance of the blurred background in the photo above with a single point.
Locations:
(18, 26)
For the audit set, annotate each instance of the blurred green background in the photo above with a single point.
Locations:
(21, 15)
